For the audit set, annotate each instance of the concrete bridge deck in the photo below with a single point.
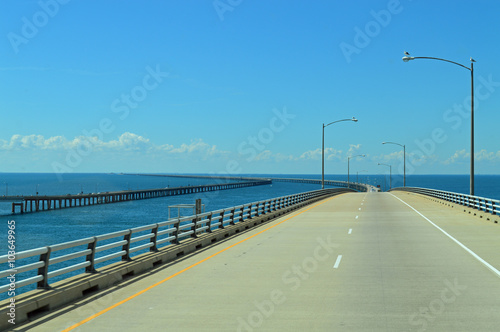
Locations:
(354, 262)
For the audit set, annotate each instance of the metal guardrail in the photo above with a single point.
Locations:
(476, 202)
(87, 253)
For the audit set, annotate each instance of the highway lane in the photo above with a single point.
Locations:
(355, 262)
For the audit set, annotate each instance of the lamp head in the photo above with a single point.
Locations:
(407, 58)
(354, 119)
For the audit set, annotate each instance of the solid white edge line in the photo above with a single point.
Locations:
(488, 265)
(337, 262)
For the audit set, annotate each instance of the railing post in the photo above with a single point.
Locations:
(154, 239)
(44, 270)
(126, 246)
(242, 212)
(176, 233)
(232, 217)
(221, 225)
(91, 257)
(193, 228)
(209, 223)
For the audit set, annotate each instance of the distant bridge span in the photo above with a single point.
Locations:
(51, 202)
(341, 184)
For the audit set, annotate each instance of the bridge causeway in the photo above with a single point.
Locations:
(396, 261)
(52, 202)
(334, 183)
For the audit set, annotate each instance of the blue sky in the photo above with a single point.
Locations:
(238, 86)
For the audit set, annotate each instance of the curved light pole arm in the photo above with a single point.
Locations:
(323, 149)
(390, 174)
(408, 58)
(348, 158)
(404, 160)
(352, 119)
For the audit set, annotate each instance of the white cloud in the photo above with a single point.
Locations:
(330, 154)
(398, 155)
(312, 154)
(417, 159)
(283, 157)
(353, 148)
(196, 146)
(460, 155)
(33, 142)
(463, 156)
(125, 142)
(485, 155)
(264, 155)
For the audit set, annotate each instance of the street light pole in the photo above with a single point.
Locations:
(407, 58)
(404, 160)
(390, 175)
(323, 149)
(357, 175)
(472, 128)
(348, 167)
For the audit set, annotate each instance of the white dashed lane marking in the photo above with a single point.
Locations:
(337, 262)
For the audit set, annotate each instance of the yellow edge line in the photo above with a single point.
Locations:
(187, 268)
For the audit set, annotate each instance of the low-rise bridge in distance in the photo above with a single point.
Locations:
(51, 202)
